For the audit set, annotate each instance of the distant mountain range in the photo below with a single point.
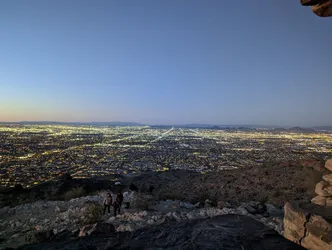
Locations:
(76, 123)
(328, 128)
(191, 125)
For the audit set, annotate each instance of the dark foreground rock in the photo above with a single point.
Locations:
(221, 232)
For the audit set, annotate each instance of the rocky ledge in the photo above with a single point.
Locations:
(322, 8)
(43, 221)
(310, 224)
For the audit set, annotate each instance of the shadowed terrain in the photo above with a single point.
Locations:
(221, 232)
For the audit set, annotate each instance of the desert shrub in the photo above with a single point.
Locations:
(92, 213)
(74, 193)
(141, 201)
(169, 196)
(276, 193)
(314, 176)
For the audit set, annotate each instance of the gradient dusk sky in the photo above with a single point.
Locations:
(165, 62)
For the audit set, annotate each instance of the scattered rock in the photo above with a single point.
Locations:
(208, 203)
(125, 228)
(328, 164)
(151, 222)
(328, 190)
(266, 214)
(223, 204)
(242, 210)
(250, 209)
(197, 205)
(319, 200)
(273, 211)
(14, 236)
(328, 178)
(46, 221)
(320, 189)
(186, 205)
(329, 202)
(57, 209)
(75, 232)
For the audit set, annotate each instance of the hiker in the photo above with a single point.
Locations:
(118, 202)
(151, 188)
(127, 197)
(107, 203)
(133, 187)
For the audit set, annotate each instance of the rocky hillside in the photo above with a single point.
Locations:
(45, 220)
(163, 224)
(180, 200)
(275, 183)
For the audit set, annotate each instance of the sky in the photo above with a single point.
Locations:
(165, 62)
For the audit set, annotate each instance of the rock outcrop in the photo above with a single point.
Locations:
(324, 188)
(328, 164)
(309, 225)
(322, 8)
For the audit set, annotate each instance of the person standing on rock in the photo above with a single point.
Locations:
(127, 199)
(107, 203)
(118, 202)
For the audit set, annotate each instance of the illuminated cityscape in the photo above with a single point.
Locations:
(32, 154)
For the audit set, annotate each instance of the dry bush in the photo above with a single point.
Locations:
(313, 176)
(170, 196)
(141, 201)
(92, 213)
(74, 193)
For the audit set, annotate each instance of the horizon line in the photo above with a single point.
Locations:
(152, 124)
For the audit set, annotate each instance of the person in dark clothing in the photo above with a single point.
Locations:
(118, 202)
(107, 203)
(133, 187)
(151, 188)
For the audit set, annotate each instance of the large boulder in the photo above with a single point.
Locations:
(328, 178)
(319, 200)
(328, 164)
(328, 190)
(273, 211)
(308, 225)
(322, 189)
